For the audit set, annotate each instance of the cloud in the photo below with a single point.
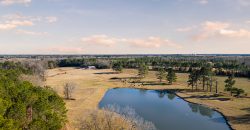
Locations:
(214, 26)
(11, 2)
(248, 22)
(241, 33)
(13, 21)
(31, 33)
(211, 29)
(243, 2)
(14, 24)
(51, 19)
(149, 42)
(203, 2)
(65, 50)
(100, 40)
(19, 16)
(185, 29)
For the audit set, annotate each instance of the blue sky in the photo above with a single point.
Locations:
(124, 26)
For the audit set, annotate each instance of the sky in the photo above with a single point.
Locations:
(124, 26)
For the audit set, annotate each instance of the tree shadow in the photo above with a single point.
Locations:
(149, 83)
(100, 73)
(246, 109)
(124, 78)
(210, 97)
(69, 99)
(154, 83)
(243, 119)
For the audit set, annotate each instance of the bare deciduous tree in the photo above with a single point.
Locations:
(114, 117)
(38, 69)
(68, 90)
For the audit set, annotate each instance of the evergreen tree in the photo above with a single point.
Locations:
(24, 106)
(142, 70)
(204, 73)
(171, 76)
(117, 66)
(229, 83)
(161, 73)
(193, 78)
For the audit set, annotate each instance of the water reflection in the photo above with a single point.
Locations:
(166, 110)
(168, 94)
(171, 96)
(202, 110)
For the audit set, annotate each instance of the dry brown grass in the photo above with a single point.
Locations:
(92, 85)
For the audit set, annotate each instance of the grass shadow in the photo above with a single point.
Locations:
(210, 97)
(243, 119)
(69, 99)
(107, 73)
(124, 78)
(246, 109)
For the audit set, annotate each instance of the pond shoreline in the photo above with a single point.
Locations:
(178, 93)
(92, 87)
(175, 92)
(225, 117)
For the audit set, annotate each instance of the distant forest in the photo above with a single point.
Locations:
(221, 65)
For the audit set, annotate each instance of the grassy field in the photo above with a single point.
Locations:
(92, 85)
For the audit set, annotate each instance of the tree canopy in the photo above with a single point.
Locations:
(24, 106)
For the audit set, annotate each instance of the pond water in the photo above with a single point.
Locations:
(166, 110)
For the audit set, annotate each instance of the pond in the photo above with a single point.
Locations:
(166, 110)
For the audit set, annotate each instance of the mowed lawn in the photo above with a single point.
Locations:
(91, 86)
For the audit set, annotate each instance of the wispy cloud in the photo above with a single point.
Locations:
(186, 29)
(11, 2)
(19, 16)
(13, 21)
(203, 2)
(100, 40)
(64, 50)
(210, 29)
(14, 24)
(248, 22)
(149, 42)
(243, 2)
(31, 33)
(152, 42)
(51, 19)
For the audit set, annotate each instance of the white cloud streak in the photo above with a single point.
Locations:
(14, 24)
(210, 29)
(11, 2)
(31, 33)
(186, 29)
(64, 50)
(149, 42)
(203, 2)
(51, 19)
(13, 21)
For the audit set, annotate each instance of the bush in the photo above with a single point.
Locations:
(237, 91)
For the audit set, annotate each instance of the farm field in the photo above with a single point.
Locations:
(91, 86)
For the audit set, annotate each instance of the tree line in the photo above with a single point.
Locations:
(25, 106)
(204, 75)
(220, 66)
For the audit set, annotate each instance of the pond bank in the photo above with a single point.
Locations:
(93, 84)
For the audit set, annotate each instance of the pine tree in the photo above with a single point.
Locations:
(161, 73)
(193, 78)
(229, 83)
(142, 70)
(117, 67)
(171, 76)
